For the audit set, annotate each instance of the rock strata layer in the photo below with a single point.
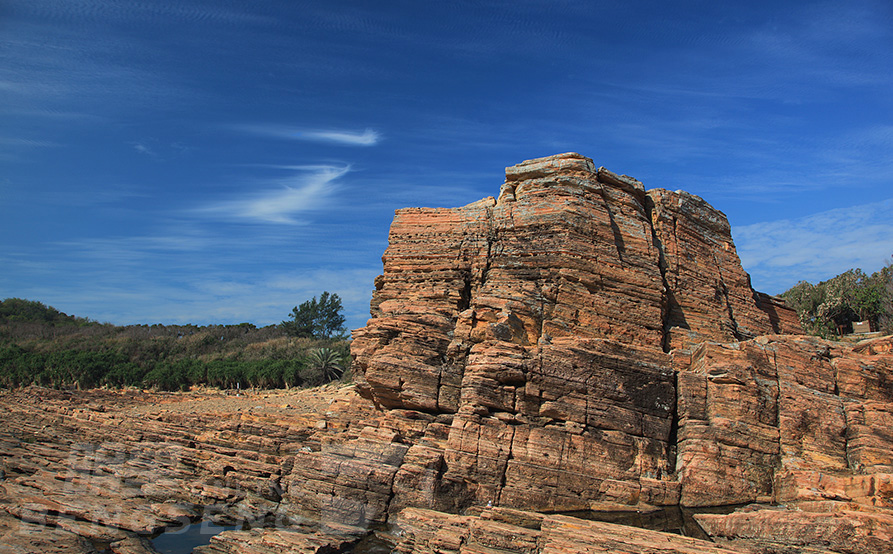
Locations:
(506, 530)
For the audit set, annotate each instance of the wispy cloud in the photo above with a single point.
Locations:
(778, 254)
(12, 147)
(54, 71)
(143, 149)
(367, 137)
(24, 142)
(859, 157)
(306, 190)
(805, 52)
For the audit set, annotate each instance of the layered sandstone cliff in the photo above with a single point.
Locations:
(567, 252)
(580, 342)
(541, 324)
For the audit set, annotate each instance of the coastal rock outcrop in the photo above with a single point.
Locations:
(541, 323)
(594, 344)
(577, 348)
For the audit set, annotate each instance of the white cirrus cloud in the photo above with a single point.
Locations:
(306, 190)
(367, 137)
(814, 248)
(143, 149)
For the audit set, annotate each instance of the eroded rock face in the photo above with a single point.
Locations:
(542, 320)
(567, 251)
(780, 419)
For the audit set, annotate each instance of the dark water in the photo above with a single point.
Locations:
(181, 540)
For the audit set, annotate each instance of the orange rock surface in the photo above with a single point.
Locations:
(540, 323)
(594, 344)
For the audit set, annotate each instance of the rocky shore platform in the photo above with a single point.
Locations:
(323, 470)
(101, 471)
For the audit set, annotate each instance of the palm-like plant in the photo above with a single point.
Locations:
(325, 362)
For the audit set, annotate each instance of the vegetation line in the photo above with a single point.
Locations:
(42, 346)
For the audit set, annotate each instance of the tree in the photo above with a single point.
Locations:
(18, 309)
(829, 308)
(320, 319)
(323, 365)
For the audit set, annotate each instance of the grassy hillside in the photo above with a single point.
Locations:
(43, 346)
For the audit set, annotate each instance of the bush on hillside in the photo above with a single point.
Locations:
(829, 308)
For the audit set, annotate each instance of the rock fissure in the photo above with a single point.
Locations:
(668, 303)
(728, 304)
(615, 230)
(778, 465)
(673, 436)
(505, 467)
(465, 294)
(491, 241)
(846, 449)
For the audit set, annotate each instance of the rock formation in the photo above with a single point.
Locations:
(593, 344)
(541, 324)
(574, 347)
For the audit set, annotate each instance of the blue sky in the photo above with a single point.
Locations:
(221, 162)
